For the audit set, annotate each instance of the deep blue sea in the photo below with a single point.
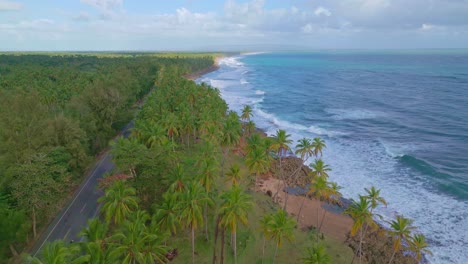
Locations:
(394, 120)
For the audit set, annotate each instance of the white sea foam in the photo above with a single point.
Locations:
(354, 114)
(254, 53)
(231, 62)
(441, 218)
(243, 81)
(259, 92)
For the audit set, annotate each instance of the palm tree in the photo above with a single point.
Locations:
(177, 179)
(95, 232)
(257, 161)
(136, 243)
(335, 195)
(191, 206)
(319, 168)
(234, 207)
(401, 231)
(281, 142)
(149, 133)
(234, 175)
(304, 148)
(317, 255)
(119, 201)
(208, 176)
(332, 196)
(57, 253)
(166, 215)
(418, 246)
(319, 189)
(97, 253)
(373, 195)
(266, 230)
(281, 145)
(362, 216)
(249, 127)
(127, 154)
(318, 145)
(246, 113)
(232, 130)
(281, 227)
(208, 173)
(171, 124)
(253, 142)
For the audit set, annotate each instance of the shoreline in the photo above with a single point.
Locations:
(195, 75)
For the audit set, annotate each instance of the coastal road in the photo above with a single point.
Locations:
(81, 207)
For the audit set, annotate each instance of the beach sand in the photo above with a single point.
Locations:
(336, 225)
(198, 74)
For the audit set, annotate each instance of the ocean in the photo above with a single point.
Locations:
(396, 120)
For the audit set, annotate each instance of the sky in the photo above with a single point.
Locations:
(224, 25)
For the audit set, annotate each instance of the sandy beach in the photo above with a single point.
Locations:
(214, 67)
(336, 225)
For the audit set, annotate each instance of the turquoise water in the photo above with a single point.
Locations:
(395, 120)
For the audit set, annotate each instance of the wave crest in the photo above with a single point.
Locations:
(354, 114)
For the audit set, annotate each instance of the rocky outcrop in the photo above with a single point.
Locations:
(377, 248)
(294, 172)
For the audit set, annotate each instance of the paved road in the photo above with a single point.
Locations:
(82, 206)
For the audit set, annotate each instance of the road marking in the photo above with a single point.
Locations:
(86, 183)
(97, 210)
(66, 234)
(94, 215)
(82, 208)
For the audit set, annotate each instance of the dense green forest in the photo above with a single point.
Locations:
(58, 112)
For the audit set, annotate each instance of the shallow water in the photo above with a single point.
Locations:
(398, 121)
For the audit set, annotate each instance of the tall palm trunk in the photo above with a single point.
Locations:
(275, 198)
(323, 217)
(300, 208)
(34, 222)
(263, 249)
(222, 244)
(216, 238)
(235, 246)
(391, 258)
(317, 226)
(360, 248)
(276, 251)
(294, 177)
(205, 212)
(173, 144)
(193, 245)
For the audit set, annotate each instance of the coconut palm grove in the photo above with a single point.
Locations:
(186, 177)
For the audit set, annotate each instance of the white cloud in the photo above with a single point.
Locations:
(10, 6)
(109, 9)
(308, 28)
(322, 11)
(104, 5)
(427, 27)
(333, 22)
(82, 16)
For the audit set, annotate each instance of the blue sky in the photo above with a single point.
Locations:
(232, 24)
